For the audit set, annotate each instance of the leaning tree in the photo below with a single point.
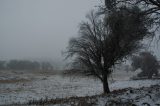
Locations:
(104, 41)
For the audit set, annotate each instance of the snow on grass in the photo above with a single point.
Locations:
(146, 96)
(55, 86)
(41, 86)
(133, 84)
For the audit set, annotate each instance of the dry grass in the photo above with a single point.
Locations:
(13, 81)
(93, 100)
(73, 101)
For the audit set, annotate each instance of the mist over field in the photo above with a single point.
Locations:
(80, 52)
(39, 29)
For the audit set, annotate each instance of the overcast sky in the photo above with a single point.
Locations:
(39, 28)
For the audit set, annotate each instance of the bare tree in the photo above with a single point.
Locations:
(147, 63)
(104, 42)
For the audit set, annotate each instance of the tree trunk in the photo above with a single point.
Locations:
(150, 74)
(105, 85)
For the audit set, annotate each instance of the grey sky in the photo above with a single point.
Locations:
(39, 28)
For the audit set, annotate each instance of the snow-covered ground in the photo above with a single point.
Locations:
(24, 86)
(145, 96)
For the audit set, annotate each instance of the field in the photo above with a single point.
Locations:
(24, 86)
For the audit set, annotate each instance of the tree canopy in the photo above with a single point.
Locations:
(105, 40)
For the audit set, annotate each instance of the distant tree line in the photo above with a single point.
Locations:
(25, 65)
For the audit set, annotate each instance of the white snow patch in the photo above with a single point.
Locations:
(41, 86)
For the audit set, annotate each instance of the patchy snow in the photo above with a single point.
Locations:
(146, 96)
(40, 86)
(133, 84)
(45, 86)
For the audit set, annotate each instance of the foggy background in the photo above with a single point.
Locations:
(40, 29)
